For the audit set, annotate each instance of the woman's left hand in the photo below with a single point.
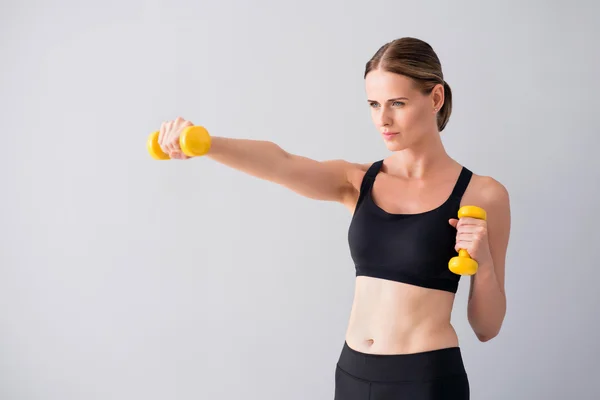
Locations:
(471, 235)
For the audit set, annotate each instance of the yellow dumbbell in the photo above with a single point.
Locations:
(463, 264)
(194, 142)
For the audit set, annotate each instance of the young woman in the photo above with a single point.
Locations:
(399, 342)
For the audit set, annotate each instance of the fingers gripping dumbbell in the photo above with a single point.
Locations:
(194, 142)
(463, 264)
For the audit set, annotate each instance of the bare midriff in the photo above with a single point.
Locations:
(389, 317)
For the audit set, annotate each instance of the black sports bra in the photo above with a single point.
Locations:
(409, 248)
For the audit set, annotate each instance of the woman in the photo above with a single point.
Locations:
(399, 342)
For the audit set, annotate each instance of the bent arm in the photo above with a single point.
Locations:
(321, 180)
(487, 297)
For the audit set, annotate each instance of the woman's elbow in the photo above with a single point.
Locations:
(486, 336)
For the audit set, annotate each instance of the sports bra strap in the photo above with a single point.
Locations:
(457, 192)
(461, 184)
(374, 169)
(371, 174)
(368, 179)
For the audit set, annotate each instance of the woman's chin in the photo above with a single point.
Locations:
(394, 145)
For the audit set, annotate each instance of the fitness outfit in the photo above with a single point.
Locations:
(429, 375)
(413, 249)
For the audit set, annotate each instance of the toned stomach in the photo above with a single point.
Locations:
(389, 317)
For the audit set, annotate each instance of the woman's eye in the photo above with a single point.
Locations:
(395, 103)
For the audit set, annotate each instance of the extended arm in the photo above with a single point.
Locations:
(321, 180)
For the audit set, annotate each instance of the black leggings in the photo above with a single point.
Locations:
(430, 375)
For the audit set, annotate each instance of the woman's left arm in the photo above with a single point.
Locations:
(487, 243)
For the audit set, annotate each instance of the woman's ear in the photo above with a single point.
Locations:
(437, 97)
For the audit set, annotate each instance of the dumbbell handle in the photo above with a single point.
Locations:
(463, 264)
(194, 142)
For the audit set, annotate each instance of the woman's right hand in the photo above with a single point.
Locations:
(168, 137)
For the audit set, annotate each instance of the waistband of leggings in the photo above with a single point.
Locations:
(420, 366)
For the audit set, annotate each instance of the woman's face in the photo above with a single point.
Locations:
(401, 113)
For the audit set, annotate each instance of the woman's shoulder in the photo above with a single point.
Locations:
(356, 172)
(487, 192)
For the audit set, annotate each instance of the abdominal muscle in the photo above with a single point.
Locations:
(390, 317)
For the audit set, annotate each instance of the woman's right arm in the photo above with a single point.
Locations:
(332, 180)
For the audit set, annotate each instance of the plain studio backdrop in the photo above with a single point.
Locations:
(123, 277)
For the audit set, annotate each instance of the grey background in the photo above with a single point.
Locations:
(127, 278)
